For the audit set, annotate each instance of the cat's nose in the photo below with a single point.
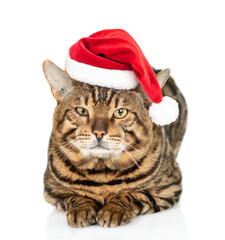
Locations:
(99, 134)
(99, 128)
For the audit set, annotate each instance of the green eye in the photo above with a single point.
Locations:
(120, 113)
(82, 111)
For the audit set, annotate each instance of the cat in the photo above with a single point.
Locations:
(107, 161)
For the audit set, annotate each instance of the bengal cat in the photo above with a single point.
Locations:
(107, 161)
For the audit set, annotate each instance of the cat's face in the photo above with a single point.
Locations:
(102, 122)
(92, 123)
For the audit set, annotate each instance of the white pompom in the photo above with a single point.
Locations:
(165, 112)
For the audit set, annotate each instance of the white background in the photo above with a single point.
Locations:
(186, 36)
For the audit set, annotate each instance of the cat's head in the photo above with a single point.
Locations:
(100, 122)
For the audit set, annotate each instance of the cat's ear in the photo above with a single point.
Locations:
(147, 101)
(58, 80)
(163, 76)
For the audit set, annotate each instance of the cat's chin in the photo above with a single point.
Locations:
(100, 152)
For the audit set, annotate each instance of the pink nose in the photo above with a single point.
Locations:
(99, 133)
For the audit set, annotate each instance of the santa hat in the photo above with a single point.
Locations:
(113, 59)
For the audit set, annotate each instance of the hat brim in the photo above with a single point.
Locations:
(118, 79)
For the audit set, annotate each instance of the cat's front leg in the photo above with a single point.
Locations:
(80, 211)
(115, 213)
(121, 208)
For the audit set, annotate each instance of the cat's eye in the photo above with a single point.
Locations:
(120, 113)
(82, 111)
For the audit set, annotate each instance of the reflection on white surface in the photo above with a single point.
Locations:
(167, 225)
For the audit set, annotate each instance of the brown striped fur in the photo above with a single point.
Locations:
(111, 187)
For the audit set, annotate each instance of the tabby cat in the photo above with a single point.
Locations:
(107, 161)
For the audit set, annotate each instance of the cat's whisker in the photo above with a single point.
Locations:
(132, 158)
(144, 154)
(125, 159)
(65, 155)
(65, 145)
(74, 147)
(128, 144)
(61, 142)
(62, 155)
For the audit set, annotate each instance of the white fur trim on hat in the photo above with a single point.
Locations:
(118, 79)
(164, 112)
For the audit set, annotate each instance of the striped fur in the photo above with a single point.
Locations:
(111, 189)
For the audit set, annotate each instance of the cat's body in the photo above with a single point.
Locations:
(132, 172)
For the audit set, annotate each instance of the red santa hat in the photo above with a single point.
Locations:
(113, 59)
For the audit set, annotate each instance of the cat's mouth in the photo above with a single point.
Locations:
(99, 147)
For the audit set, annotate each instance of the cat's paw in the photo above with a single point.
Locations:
(81, 217)
(112, 215)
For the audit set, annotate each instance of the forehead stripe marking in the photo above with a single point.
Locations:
(113, 92)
